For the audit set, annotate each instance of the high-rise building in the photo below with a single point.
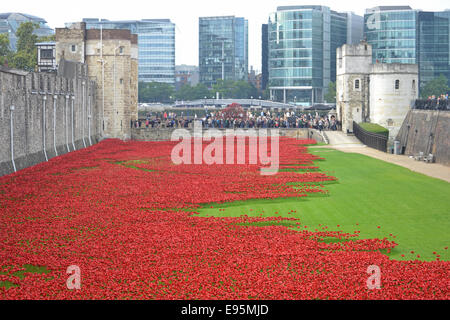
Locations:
(434, 46)
(265, 57)
(223, 49)
(156, 38)
(392, 33)
(400, 34)
(10, 22)
(302, 50)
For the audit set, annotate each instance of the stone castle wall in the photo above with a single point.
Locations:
(112, 59)
(50, 115)
(426, 131)
(165, 134)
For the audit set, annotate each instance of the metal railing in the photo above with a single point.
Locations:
(432, 104)
(370, 139)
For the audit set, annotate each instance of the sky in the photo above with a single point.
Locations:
(185, 14)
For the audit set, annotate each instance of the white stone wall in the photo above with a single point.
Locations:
(390, 105)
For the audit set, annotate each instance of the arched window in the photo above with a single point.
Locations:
(397, 84)
(414, 85)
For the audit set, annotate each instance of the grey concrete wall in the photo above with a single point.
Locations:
(153, 134)
(42, 116)
(428, 132)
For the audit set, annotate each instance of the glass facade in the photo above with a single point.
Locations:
(156, 42)
(405, 35)
(10, 22)
(265, 56)
(392, 32)
(434, 45)
(302, 51)
(223, 49)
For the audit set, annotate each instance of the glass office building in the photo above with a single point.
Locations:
(434, 46)
(400, 34)
(302, 51)
(392, 32)
(223, 49)
(10, 22)
(156, 42)
(265, 56)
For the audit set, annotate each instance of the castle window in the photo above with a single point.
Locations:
(121, 50)
(357, 84)
(73, 48)
(121, 81)
(397, 84)
(414, 85)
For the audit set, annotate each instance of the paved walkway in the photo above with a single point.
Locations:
(340, 141)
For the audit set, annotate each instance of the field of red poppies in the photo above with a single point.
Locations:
(126, 215)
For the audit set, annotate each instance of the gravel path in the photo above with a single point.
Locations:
(350, 144)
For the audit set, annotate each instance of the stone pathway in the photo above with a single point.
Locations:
(350, 144)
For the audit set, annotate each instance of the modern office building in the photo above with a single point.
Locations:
(265, 56)
(400, 34)
(10, 22)
(302, 50)
(392, 33)
(223, 49)
(156, 43)
(433, 54)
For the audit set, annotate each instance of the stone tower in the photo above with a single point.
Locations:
(352, 84)
(112, 60)
(393, 91)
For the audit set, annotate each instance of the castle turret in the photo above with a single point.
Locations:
(352, 84)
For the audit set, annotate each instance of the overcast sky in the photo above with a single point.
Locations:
(185, 14)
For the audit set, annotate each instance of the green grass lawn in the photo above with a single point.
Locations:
(375, 128)
(371, 193)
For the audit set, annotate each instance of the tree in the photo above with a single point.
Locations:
(22, 60)
(435, 87)
(26, 56)
(51, 38)
(5, 50)
(155, 92)
(234, 111)
(26, 39)
(229, 89)
(189, 93)
(330, 96)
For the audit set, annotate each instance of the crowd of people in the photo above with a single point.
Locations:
(244, 120)
(441, 102)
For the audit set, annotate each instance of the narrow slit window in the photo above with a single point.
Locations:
(397, 84)
(357, 84)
